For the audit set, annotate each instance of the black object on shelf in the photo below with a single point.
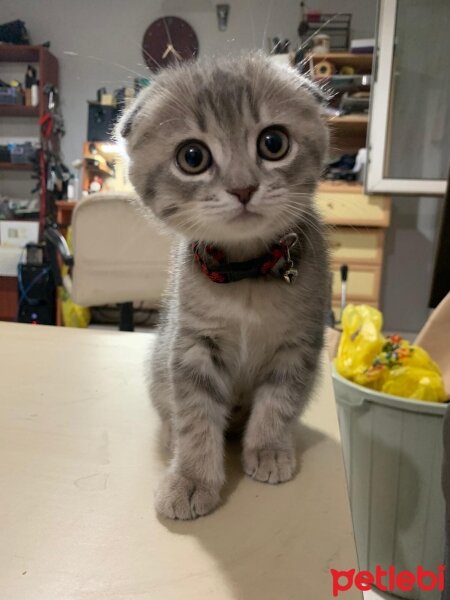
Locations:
(101, 121)
(336, 26)
(36, 292)
(342, 169)
(10, 95)
(5, 154)
(14, 32)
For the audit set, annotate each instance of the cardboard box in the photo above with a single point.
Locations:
(9, 259)
(18, 233)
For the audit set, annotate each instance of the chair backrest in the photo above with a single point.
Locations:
(120, 253)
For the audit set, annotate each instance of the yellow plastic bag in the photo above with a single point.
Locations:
(391, 365)
(73, 315)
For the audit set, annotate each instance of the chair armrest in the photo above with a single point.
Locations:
(53, 236)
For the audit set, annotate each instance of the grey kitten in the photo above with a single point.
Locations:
(228, 155)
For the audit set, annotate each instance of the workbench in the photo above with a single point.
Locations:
(80, 459)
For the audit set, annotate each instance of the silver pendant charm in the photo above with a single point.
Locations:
(290, 274)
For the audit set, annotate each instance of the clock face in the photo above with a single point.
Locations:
(167, 41)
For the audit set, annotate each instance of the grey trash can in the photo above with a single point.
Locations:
(393, 458)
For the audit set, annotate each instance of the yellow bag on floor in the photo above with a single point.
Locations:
(391, 365)
(73, 315)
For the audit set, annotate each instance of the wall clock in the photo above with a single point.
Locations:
(167, 41)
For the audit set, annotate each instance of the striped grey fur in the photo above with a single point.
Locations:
(247, 350)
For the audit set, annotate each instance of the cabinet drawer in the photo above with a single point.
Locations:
(354, 209)
(357, 246)
(363, 283)
(8, 298)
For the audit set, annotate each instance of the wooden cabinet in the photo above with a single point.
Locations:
(357, 224)
(47, 67)
(357, 221)
(8, 298)
(346, 204)
(48, 74)
(357, 246)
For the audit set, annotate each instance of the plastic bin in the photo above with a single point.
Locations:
(22, 153)
(10, 95)
(393, 458)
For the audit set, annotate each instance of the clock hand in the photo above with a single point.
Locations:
(169, 37)
(168, 49)
(177, 55)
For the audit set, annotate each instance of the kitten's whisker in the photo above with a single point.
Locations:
(103, 61)
(319, 30)
(116, 65)
(301, 214)
(146, 53)
(269, 12)
(252, 22)
(170, 121)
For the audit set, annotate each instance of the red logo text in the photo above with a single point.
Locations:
(387, 580)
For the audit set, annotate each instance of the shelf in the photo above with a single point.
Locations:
(101, 168)
(341, 187)
(16, 53)
(8, 166)
(18, 110)
(361, 62)
(48, 70)
(22, 218)
(349, 121)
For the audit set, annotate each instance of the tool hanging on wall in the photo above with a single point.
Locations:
(54, 175)
(303, 27)
(223, 11)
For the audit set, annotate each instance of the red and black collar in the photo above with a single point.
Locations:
(276, 263)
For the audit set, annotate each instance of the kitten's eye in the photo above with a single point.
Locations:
(273, 143)
(193, 157)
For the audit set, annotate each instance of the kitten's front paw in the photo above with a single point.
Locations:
(269, 465)
(181, 498)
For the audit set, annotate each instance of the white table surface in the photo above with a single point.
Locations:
(79, 462)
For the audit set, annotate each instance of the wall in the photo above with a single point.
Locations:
(408, 271)
(111, 31)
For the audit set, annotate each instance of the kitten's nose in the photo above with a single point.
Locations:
(244, 195)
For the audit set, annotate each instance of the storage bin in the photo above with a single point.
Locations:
(22, 153)
(10, 95)
(5, 154)
(393, 458)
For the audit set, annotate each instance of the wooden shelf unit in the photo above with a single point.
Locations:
(18, 110)
(8, 166)
(349, 121)
(48, 73)
(357, 222)
(360, 62)
(348, 132)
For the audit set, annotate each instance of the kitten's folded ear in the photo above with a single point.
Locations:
(126, 122)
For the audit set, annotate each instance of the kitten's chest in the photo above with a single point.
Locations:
(253, 306)
(257, 316)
